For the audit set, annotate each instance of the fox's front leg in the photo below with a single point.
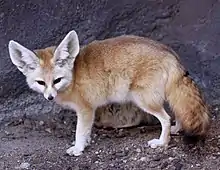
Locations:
(85, 119)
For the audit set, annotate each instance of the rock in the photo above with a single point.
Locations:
(138, 150)
(164, 165)
(7, 133)
(171, 158)
(111, 165)
(198, 47)
(178, 166)
(23, 165)
(198, 165)
(48, 130)
(134, 158)
(125, 161)
(143, 159)
(41, 123)
(156, 158)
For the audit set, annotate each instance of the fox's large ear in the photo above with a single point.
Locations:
(67, 50)
(21, 57)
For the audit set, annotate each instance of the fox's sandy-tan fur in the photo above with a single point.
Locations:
(188, 106)
(113, 115)
(124, 69)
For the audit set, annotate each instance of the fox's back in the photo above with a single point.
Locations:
(123, 54)
(111, 68)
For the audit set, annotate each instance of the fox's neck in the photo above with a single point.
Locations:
(70, 93)
(66, 94)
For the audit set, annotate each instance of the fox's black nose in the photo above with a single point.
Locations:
(50, 97)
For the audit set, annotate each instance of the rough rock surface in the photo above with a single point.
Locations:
(192, 28)
(193, 32)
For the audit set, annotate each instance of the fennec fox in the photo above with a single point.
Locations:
(121, 69)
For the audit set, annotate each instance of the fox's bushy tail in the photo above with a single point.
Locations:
(188, 105)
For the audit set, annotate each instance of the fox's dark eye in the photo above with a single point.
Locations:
(57, 80)
(40, 82)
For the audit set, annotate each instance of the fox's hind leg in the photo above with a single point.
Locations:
(176, 128)
(153, 105)
(164, 119)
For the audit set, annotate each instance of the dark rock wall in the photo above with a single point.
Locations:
(192, 28)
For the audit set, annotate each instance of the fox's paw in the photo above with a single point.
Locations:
(154, 143)
(74, 151)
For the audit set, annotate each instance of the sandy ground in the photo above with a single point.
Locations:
(41, 145)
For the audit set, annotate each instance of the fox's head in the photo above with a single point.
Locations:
(49, 70)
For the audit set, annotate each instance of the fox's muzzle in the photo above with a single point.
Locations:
(50, 97)
(50, 93)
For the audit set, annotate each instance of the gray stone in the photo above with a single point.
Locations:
(192, 29)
